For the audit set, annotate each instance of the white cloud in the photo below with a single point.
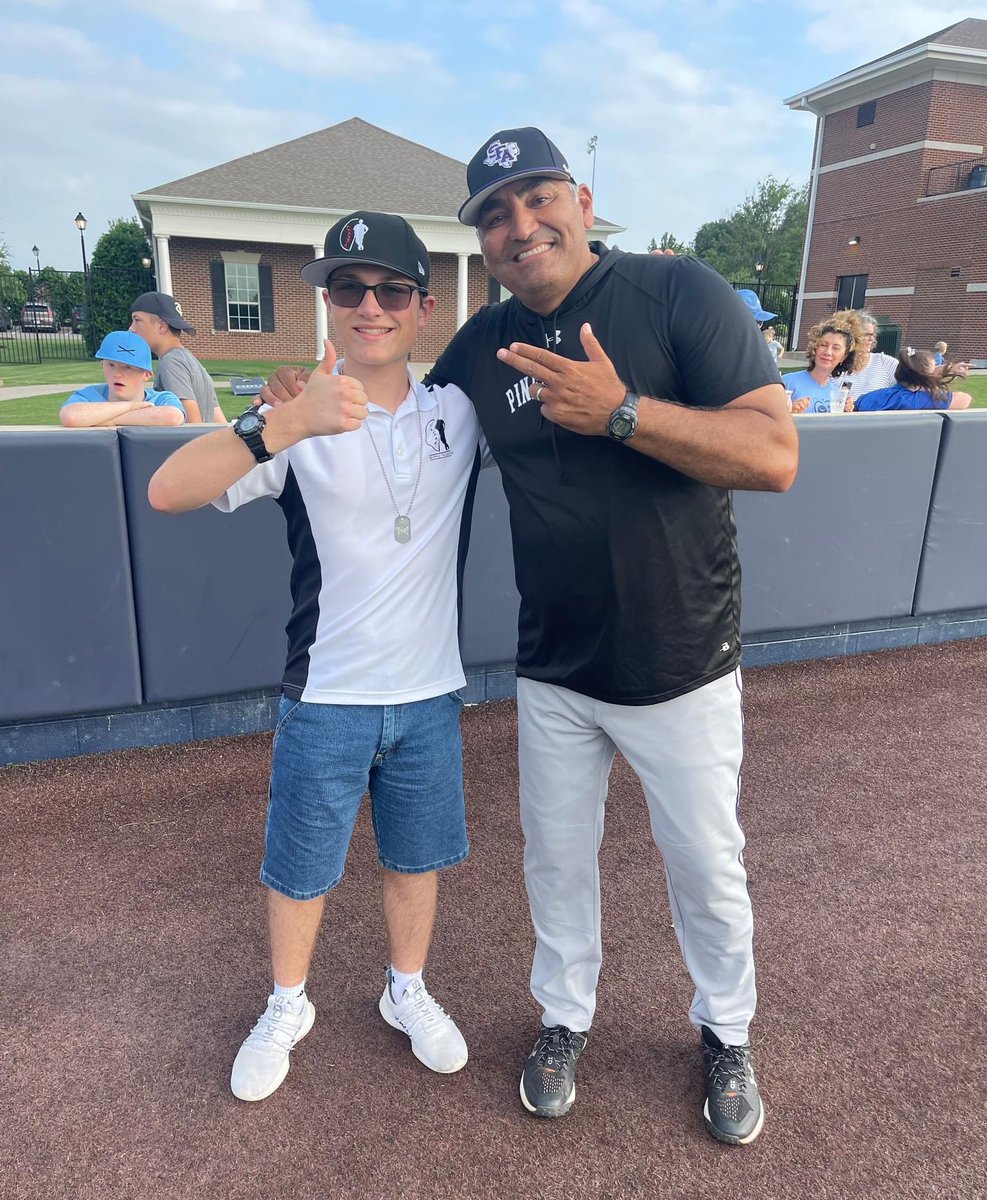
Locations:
(880, 26)
(289, 34)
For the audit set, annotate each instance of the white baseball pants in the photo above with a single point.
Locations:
(687, 754)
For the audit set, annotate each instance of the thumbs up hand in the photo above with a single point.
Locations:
(330, 404)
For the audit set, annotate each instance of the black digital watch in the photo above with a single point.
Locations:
(249, 427)
(623, 420)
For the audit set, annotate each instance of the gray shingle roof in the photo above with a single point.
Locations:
(350, 165)
(970, 34)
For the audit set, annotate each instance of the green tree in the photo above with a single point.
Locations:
(116, 277)
(669, 242)
(768, 228)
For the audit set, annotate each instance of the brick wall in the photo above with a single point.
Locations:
(937, 247)
(294, 333)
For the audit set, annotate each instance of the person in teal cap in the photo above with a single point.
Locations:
(125, 398)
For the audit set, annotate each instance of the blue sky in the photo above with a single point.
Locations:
(109, 98)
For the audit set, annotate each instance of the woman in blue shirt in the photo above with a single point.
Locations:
(832, 352)
(919, 384)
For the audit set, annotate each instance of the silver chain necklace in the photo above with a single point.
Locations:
(402, 522)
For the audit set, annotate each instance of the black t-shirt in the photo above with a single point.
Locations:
(627, 569)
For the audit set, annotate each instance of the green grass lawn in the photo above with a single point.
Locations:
(43, 410)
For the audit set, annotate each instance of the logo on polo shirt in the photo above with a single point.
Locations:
(435, 437)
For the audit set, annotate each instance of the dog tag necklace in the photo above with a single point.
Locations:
(402, 522)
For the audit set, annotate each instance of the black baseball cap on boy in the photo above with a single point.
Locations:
(373, 239)
(508, 155)
(160, 304)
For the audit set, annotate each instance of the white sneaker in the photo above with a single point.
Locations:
(262, 1061)
(434, 1037)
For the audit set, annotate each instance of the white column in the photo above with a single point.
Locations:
(462, 289)
(163, 261)
(321, 313)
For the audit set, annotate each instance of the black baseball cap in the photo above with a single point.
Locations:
(509, 155)
(375, 239)
(160, 304)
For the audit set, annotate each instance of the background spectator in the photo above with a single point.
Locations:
(873, 369)
(125, 398)
(832, 350)
(157, 318)
(774, 346)
(919, 384)
(939, 350)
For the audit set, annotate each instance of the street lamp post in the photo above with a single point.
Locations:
(37, 257)
(80, 224)
(758, 270)
(591, 149)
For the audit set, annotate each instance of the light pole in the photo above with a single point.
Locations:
(591, 149)
(758, 269)
(80, 224)
(37, 257)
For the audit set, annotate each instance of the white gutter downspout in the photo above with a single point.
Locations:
(816, 159)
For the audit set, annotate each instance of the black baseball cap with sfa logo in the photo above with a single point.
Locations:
(160, 304)
(372, 239)
(509, 155)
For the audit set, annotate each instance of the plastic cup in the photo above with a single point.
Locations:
(789, 394)
(837, 401)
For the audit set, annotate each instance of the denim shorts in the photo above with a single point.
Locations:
(328, 756)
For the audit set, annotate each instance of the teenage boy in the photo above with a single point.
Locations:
(158, 318)
(125, 398)
(372, 471)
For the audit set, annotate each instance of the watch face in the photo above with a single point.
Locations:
(621, 427)
(250, 422)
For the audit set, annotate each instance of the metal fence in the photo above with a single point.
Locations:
(51, 315)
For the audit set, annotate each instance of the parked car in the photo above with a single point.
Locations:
(78, 318)
(40, 318)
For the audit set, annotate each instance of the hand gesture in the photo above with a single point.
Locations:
(330, 404)
(285, 384)
(576, 395)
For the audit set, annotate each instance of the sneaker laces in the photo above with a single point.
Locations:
(555, 1041)
(419, 1011)
(728, 1063)
(277, 1027)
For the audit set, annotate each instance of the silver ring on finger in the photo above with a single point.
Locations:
(538, 391)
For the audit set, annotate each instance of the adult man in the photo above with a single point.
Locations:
(653, 394)
(374, 512)
(157, 317)
(125, 398)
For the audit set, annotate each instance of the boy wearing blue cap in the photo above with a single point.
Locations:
(125, 398)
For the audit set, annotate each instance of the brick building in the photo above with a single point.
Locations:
(229, 242)
(898, 195)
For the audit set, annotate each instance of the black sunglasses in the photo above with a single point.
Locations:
(392, 297)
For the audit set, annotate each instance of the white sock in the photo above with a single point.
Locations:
(295, 995)
(400, 982)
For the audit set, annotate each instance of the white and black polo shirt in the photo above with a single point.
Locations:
(375, 621)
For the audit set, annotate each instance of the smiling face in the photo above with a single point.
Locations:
(369, 334)
(125, 381)
(831, 350)
(533, 236)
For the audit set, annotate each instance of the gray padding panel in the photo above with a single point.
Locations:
(844, 543)
(212, 590)
(68, 640)
(953, 574)
(490, 598)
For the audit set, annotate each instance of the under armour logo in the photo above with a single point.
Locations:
(550, 340)
(502, 154)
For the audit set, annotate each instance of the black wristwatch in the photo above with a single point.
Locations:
(623, 420)
(249, 426)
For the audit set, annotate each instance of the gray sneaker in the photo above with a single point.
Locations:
(434, 1037)
(262, 1061)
